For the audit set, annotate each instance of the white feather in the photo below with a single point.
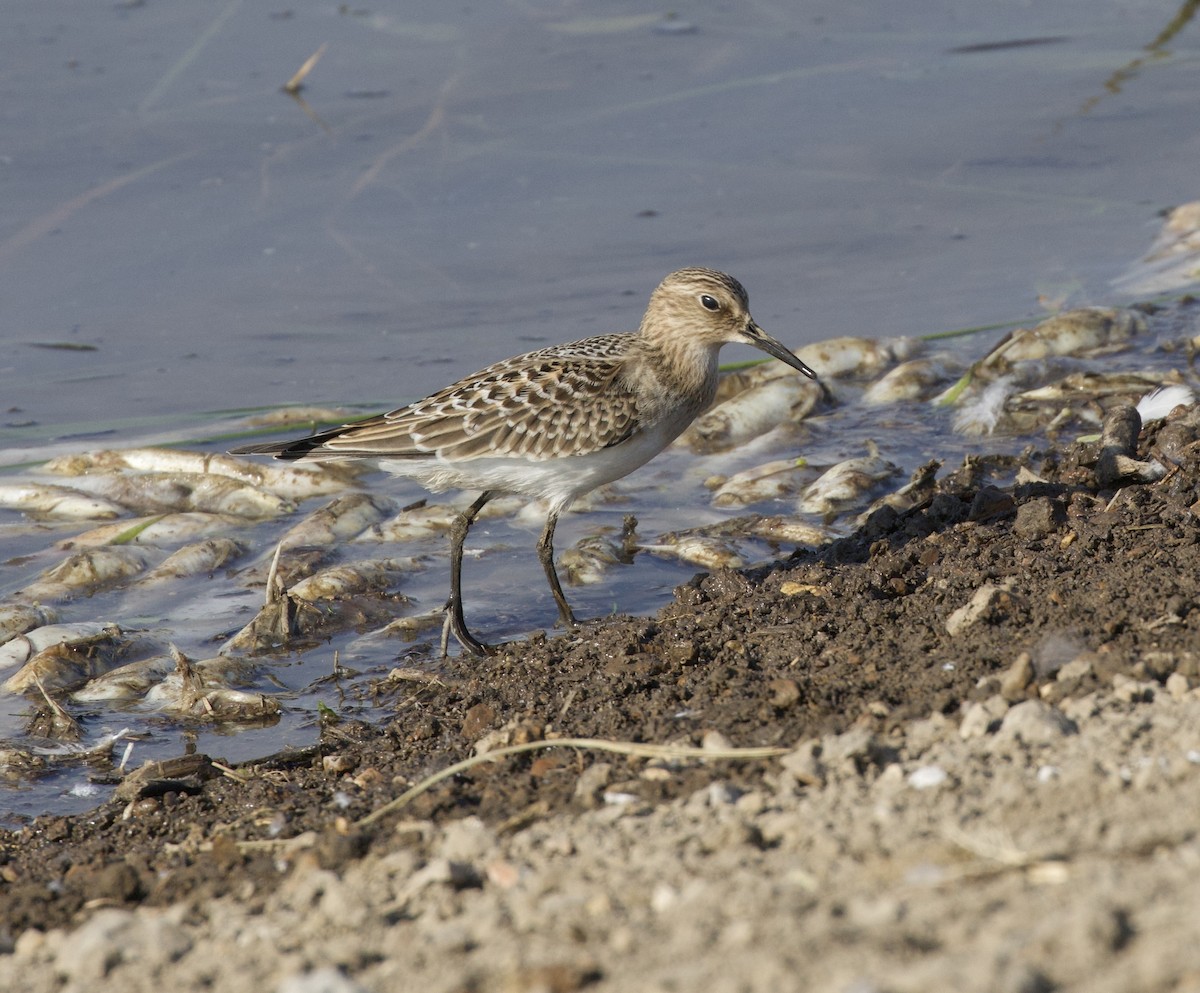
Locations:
(1156, 404)
(982, 414)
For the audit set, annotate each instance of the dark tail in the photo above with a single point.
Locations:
(292, 451)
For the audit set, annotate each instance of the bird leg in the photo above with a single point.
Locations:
(545, 549)
(455, 623)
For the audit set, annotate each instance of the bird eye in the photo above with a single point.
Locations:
(709, 303)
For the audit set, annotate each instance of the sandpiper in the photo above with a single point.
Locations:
(557, 422)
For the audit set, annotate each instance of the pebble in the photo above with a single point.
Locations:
(715, 741)
(1178, 685)
(466, 840)
(1077, 668)
(1129, 690)
(804, 764)
(982, 717)
(326, 980)
(927, 777)
(592, 781)
(1038, 518)
(1014, 684)
(115, 936)
(974, 609)
(1035, 722)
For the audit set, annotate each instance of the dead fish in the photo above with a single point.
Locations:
(200, 690)
(131, 681)
(1173, 260)
(1070, 333)
(364, 576)
(697, 549)
(150, 492)
(20, 648)
(406, 628)
(589, 559)
(291, 482)
(19, 763)
(285, 619)
(195, 559)
(790, 530)
(1081, 386)
(919, 488)
(752, 413)
(68, 664)
(157, 529)
(912, 380)
(840, 357)
(48, 501)
(769, 481)
(17, 618)
(845, 484)
(412, 524)
(85, 573)
(342, 519)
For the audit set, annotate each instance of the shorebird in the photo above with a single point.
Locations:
(557, 422)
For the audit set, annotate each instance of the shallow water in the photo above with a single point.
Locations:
(462, 185)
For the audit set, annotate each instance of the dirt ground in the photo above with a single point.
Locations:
(991, 713)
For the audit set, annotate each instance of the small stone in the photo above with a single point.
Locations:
(1178, 685)
(326, 980)
(1035, 722)
(478, 720)
(715, 741)
(338, 763)
(681, 653)
(1160, 665)
(927, 777)
(804, 764)
(592, 782)
(1078, 668)
(1131, 690)
(990, 502)
(784, 693)
(982, 717)
(1014, 684)
(466, 840)
(974, 610)
(1038, 518)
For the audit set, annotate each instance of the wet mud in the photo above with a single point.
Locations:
(1024, 600)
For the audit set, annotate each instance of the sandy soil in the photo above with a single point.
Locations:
(991, 719)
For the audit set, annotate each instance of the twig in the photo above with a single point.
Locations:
(646, 751)
(296, 83)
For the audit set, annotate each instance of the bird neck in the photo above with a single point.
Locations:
(672, 366)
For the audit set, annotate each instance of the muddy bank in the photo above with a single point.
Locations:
(990, 706)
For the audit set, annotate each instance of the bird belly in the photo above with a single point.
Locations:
(558, 480)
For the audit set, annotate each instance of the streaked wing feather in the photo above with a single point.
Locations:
(568, 399)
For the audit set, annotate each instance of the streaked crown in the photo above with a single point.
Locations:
(703, 302)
